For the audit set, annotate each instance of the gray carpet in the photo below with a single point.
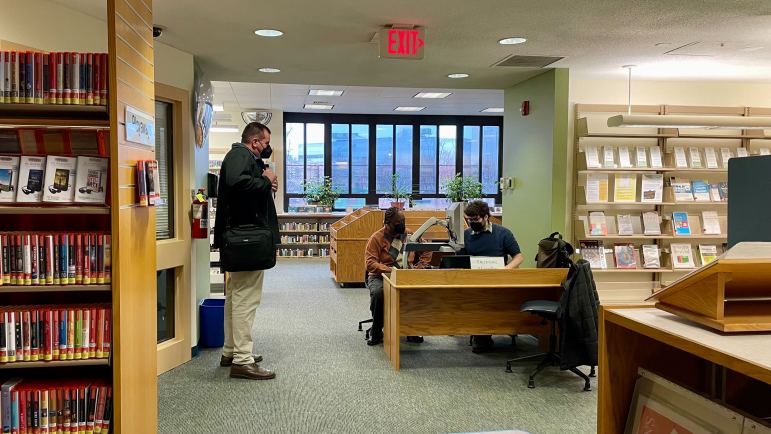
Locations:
(330, 381)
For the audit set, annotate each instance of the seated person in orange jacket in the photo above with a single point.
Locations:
(382, 254)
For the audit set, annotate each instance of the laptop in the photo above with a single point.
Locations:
(456, 261)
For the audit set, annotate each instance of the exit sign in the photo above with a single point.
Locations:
(396, 43)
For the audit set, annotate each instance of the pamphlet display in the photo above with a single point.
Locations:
(609, 158)
(725, 155)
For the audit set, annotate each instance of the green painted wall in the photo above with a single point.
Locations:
(535, 154)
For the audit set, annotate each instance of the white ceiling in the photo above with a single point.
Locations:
(355, 99)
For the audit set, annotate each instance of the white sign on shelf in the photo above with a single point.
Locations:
(140, 127)
(487, 263)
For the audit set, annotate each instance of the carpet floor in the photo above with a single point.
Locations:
(330, 381)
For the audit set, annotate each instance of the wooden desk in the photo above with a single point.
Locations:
(734, 369)
(464, 302)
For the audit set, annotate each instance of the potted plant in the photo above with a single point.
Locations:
(462, 188)
(398, 193)
(321, 193)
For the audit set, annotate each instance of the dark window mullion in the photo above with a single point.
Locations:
(350, 159)
(436, 174)
(372, 171)
(459, 149)
(481, 153)
(415, 159)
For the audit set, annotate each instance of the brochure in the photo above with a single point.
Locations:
(625, 187)
(598, 225)
(596, 187)
(710, 223)
(655, 157)
(651, 258)
(682, 256)
(681, 162)
(624, 159)
(625, 224)
(711, 157)
(680, 223)
(695, 156)
(592, 158)
(652, 188)
(651, 223)
(642, 156)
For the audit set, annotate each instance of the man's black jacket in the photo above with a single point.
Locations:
(244, 196)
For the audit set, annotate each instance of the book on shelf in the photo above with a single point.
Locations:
(681, 162)
(682, 256)
(682, 189)
(707, 253)
(153, 182)
(710, 157)
(700, 190)
(608, 157)
(31, 179)
(680, 223)
(651, 223)
(725, 155)
(710, 223)
(141, 176)
(642, 156)
(91, 179)
(598, 225)
(625, 187)
(625, 255)
(652, 188)
(592, 157)
(55, 332)
(624, 158)
(9, 177)
(656, 162)
(625, 226)
(694, 156)
(764, 151)
(41, 259)
(56, 405)
(596, 187)
(714, 192)
(742, 152)
(59, 185)
(651, 256)
(723, 190)
(594, 252)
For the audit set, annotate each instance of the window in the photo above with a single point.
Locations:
(164, 219)
(362, 152)
(165, 280)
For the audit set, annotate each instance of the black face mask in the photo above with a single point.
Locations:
(267, 152)
(399, 229)
(477, 226)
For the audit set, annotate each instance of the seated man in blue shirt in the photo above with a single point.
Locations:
(484, 238)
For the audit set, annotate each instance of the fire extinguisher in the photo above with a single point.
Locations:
(200, 212)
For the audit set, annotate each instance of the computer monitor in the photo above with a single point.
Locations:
(748, 210)
(455, 220)
(456, 261)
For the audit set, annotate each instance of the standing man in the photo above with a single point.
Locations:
(484, 238)
(245, 196)
(382, 254)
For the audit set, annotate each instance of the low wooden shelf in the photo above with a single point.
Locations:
(55, 363)
(55, 210)
(54, 288)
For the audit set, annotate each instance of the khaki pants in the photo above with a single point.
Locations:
(243, 291)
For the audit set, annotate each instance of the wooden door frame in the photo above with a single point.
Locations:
(176, 252)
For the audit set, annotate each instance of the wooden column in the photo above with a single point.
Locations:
(133, 228)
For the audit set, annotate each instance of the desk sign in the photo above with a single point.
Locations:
(402, 43)
(140, 127)
(487, 263)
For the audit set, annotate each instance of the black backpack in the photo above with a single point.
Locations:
(554, 252)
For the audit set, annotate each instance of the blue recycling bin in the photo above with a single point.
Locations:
(212, 323)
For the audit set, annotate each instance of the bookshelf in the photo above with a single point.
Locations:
(305, 235)
(592, 133)
(55, 364)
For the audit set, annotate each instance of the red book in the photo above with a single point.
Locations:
(107, 258)
(83, 78)
(38, 78)
(60, 78)
(46, 79)
(22, 411)
(107, 411)
(34, 337)
(97, 79)
(100, 333)
(52, 78)
(107, 332)
(90, 78)
(92, 333)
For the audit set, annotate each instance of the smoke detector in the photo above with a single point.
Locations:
(261, 116)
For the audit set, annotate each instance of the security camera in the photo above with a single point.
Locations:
(157, 31)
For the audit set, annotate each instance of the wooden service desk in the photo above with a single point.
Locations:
(464, 302)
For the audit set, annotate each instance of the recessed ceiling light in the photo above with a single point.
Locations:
(493, 110)
(269, 70)
(432, 95)
(458, 75)
(325, 92)
(318, 106)
(512, 41)
(408, 109)
(218, 107)
(268, 33)
(224, 129)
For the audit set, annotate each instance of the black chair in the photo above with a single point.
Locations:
(366, 333)
(547, 310)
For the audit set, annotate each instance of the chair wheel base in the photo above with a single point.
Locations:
(587, 387)
(531, 384)
(508, 368)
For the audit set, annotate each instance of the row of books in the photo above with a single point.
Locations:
(53, 179)
(302, 253)
(302, 239)
(295, 226)
(56, 406)
(48, 333)
(83, 258)
(645, 157)
(53, 78)
(148, 183)
(626, 255)
(706, 158)
(650, 157)
(629, 224)
(652, 189)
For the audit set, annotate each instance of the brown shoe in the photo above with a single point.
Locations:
(227, 361)
(251, 372)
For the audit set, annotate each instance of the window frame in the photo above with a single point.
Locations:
(416, 121)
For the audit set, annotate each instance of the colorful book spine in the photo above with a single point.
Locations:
(38, 93)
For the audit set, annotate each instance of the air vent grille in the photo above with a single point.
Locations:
(516, 61)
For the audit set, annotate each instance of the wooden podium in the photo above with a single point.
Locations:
(732, 294)
(464, 302)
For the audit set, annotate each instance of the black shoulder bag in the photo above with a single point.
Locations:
(248, 247)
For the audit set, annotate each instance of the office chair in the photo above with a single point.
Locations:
(547, 310)
(366, 333)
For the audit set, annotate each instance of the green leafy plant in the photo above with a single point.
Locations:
(399, 193)
(462, 188)
(322, 192)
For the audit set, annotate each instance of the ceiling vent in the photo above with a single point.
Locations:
(261, 116)
(528, 61)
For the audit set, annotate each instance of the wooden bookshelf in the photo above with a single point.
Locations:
(315, 219)
(55, 288)
(55, 364)
(55, 210)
